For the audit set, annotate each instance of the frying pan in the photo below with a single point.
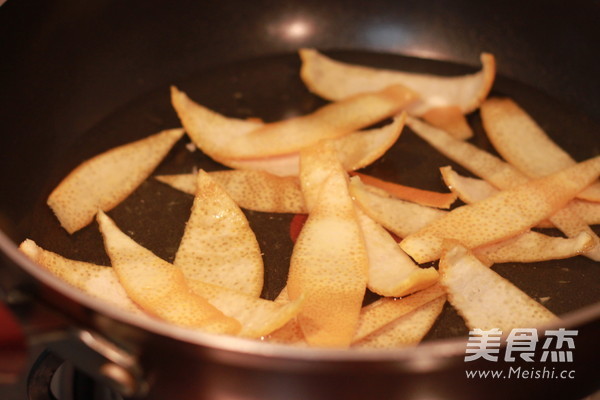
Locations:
(81, 77)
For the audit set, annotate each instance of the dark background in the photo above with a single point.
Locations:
(66, 65)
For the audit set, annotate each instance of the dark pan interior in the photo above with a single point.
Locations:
(66, 64)
(269, 88)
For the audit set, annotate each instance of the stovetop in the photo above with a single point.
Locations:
(49, 378)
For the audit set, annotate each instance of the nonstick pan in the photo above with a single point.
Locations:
(83, 78)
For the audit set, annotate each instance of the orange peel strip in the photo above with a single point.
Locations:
(96, 280)
(524, 144)
(355, 150)
(361, 148)
(589, 211)
(317, 163)
(533, 247)
(290, 333)
(183, 182)
(288, 136)
(252, 190)
(266, 184)
(529, 246)
(261, 191)
(329, 266)
(483, 164)
(503, 215)
(157, 286)
(105, 180)
(398, 216)
(209, 130)
(284, 165)
(451, 119)
(329, 122)
(483, 298)
(471, 190)
(392, 273)
(386, 310)
(258, 317)
(500, 174)
(218, 246)
(407, 330)
(335, 80)
(571, 224)
(415, 195)
(386, 323)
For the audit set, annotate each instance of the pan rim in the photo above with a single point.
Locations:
(426, 356)
(439, 348)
